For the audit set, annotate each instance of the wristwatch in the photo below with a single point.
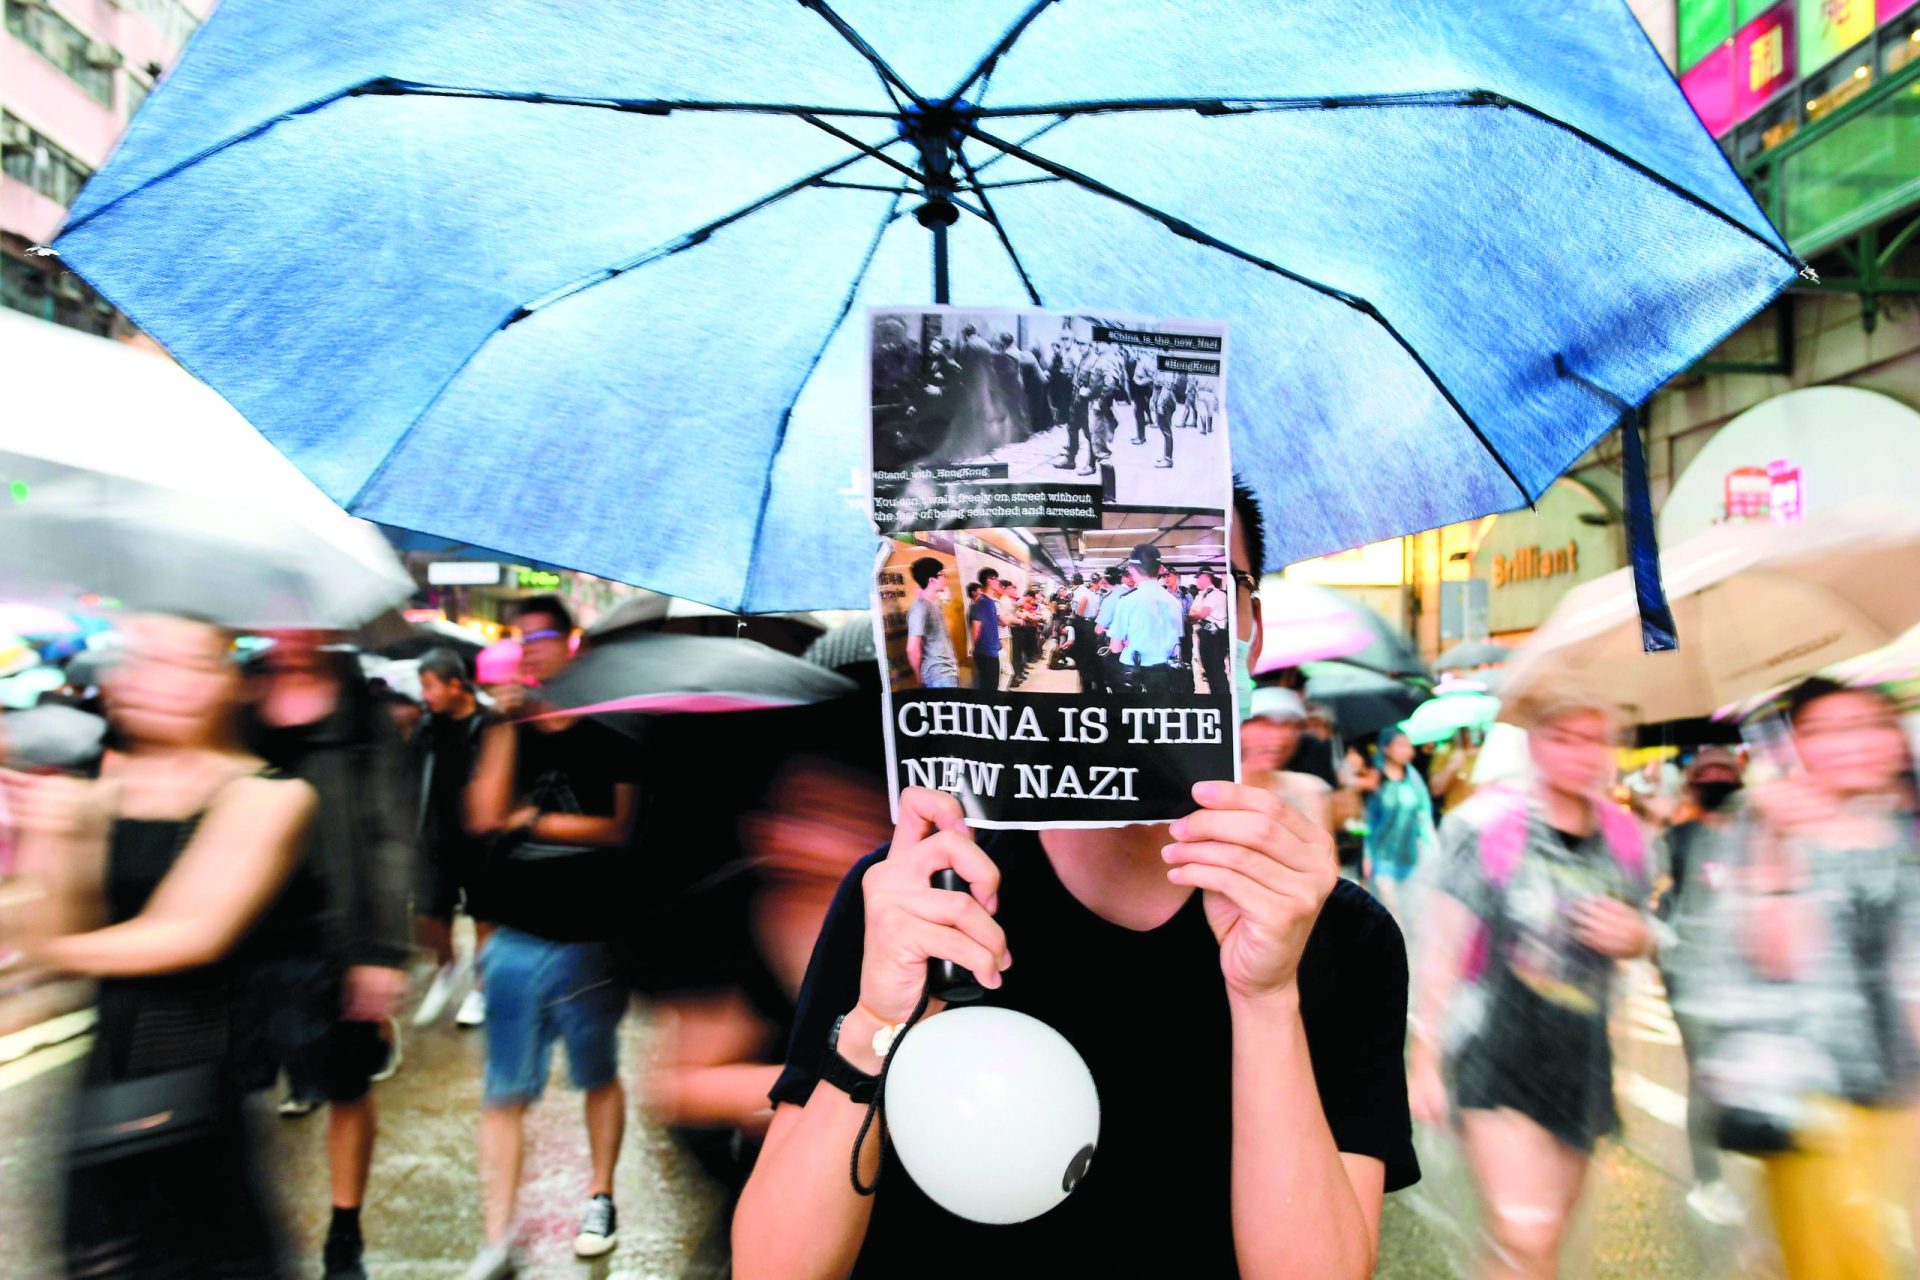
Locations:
(843, 1075)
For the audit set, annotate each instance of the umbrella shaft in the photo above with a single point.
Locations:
(940, 289)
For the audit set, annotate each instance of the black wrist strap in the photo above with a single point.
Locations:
(877, 1107)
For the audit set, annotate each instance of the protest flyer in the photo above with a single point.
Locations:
(1052, 602)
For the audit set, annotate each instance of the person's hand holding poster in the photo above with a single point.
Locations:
(1052, 608)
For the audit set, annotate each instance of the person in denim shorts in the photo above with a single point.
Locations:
(554, 800)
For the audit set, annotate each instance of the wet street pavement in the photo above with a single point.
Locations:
(423, 1219)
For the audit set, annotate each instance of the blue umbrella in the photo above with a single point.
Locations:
(582, 282)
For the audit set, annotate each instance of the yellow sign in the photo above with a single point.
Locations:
(1529, 563)
(1378, 564)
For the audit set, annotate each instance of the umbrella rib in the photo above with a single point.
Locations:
(869, 149)
(678, 244)
(1042, 131)
(1187, 231)
(986, 64)
(888, 76)
(993, 220)
(1434, 98)
(786, 415)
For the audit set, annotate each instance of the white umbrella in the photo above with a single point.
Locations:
(1756, 605)
(127, 477)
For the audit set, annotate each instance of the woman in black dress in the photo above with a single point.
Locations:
(154, 877)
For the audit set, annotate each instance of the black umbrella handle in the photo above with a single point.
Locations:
(946, 980)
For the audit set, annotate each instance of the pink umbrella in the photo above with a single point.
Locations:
(35, 621)
(1304, 623)
(498, 663)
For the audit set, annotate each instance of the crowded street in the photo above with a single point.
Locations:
(578, 581)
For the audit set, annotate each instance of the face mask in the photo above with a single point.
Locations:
(1243, 677)
(1712, 795)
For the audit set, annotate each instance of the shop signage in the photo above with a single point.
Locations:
(1704, 25)
(1710, 89)
(1775, 492)
(1763, 59)
(537, 580)
(1889, 9)
(1529, 563)
(463, 573)
(1828, 28)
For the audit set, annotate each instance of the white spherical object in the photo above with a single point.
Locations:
(993, 1113)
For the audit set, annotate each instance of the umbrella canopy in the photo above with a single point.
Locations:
(652, 672)
(488, 271)
(18, 692)
(1439, 718)
(1761, 605)
(1302, 622)
(1362, 702)
(16, 655)
(131, 479)
(437, 633)
(1472, 654)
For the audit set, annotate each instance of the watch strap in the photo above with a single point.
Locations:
(843, 1075)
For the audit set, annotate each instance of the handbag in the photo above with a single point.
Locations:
(118, 1120)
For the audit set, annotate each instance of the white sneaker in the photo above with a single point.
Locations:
(598, 1234)
(391, 1067)
(1717, 1203)
(495, 1262)
(473, 1010)
(446, 980)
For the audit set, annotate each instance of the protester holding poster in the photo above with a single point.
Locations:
(1242, 1011)
(1116, 728)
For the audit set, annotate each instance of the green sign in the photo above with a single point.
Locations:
(1828, 28)
(1705, 25)
(538, 579)
(1745, 11)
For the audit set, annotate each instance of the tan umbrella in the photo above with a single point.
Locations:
(1757, 606)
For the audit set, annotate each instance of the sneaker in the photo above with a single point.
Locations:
(391, 1067)
(597, 1234)
(292, 1107)
(1716, 1202)
(495, 1262)
(473, 1010)
(446, 980)
(1164, 462)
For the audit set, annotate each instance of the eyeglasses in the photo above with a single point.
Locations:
(1245, 581)
(528, 637)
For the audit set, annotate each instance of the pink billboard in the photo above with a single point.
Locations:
(1763, 62)
(1888, 8)
(1710, 88)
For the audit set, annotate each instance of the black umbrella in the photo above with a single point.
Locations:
(665, 674)
(428, 636)
(1362, 702)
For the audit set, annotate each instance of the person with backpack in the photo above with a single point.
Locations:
(1537, 895)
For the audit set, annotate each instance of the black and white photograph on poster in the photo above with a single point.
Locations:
(1052, 664)
(1003, 418)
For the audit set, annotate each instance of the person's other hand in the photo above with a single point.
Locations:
(510, 699)
(1611, 927)
(910, 922)
(1264, 870)
(373, 993)
(55, 807)
(1427, 1091)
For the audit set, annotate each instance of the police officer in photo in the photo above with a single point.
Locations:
(1145, 631)
(1117, 590)
(1209, 616)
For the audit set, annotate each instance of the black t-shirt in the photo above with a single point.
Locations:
(1315, 756)
(565, 894)
(1148, 1012)
(448, 751)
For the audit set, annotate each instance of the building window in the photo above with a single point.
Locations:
(173, 20)
(1839, 85)
(51, 293)
(136, 96)
(89, 63)
(1900, 43)
(29, 157)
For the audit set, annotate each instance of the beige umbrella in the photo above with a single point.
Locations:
(1757, 606)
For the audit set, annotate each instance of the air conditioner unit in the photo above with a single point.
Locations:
(103, 55)
(14, 135)
(69, 288)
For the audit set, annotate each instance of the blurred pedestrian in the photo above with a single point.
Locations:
(1538, 894)
(1693, 879)
(330, 1009)
(1270, 740)
(1451, 779)
(1809, 984)
(555, 796)
(1400, 832)
(155, 878)
(446, 747)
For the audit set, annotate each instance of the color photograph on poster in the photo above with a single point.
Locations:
(1053, 655)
